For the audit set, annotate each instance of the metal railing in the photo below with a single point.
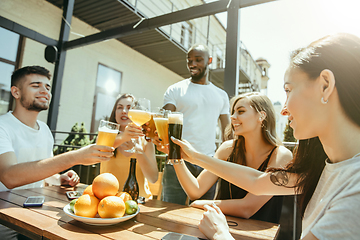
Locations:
(189, 32)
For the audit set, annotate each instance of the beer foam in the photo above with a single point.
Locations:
(108, 130)
(175, 118)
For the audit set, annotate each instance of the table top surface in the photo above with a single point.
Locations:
(155, 220)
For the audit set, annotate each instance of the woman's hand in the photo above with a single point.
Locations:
(213, 224)
(126, 146)
(187, 151)
(159, 144)
(146, 131)
(123, 139)
(132, 131)
(69, 178)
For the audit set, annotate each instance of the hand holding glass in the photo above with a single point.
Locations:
(139, 114)
(161, 122)
(107, 133)
(175, 130)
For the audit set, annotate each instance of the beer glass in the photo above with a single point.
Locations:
(107, 133)
(175, 130)
(139, 114)
(150, 134)
(161, 122)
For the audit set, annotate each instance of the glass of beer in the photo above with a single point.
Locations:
(175, 130)
(149, 130)
(162, 125)
(107, 133)
(139, 114)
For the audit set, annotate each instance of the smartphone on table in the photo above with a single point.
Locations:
(34, 201)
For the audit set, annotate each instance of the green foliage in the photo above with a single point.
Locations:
(288, 134)
(74, 139)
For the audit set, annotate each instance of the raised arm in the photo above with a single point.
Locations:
(197, 187)
(251, 180)
(250, 204)
(194, 187)
(147, 162)
(14, 174)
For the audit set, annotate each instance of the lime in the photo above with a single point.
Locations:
(131, 207)
(72, 204)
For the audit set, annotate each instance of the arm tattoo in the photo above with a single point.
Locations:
(279, 178)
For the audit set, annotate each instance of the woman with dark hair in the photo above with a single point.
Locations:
(322, 85)
(119, 164)
(254, 143)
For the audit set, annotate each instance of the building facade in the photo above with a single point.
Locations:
(94, 75)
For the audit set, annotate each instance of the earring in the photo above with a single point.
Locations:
(323, 101)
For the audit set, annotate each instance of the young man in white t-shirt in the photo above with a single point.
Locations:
(26, 144)
(202, 105)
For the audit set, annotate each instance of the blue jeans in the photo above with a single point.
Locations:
(172, 190)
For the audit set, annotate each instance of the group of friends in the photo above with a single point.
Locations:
(251, 169)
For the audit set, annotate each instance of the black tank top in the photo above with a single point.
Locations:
(269, 212)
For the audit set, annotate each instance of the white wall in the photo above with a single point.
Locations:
(140, 75)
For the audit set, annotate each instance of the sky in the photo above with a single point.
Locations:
(272, 30)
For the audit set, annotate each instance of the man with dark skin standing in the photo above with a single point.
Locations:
(26, 143)
(202, 105)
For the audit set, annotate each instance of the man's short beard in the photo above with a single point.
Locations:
(199, 77)
(33, 106)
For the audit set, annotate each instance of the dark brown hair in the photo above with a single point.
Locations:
(19, 74)
(340, 53)
(112, 117)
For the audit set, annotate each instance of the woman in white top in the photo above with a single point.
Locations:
(322, 85)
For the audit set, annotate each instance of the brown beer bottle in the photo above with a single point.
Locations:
(131, 185)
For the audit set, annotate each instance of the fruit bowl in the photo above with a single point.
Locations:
(97, 220)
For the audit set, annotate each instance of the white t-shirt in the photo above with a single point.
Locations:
(201, 106)
(27, 143)
(333, 211)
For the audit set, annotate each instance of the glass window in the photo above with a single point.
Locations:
(186, 34)
(5, 72)
(107, 89)
(108, 78)
(9, 43)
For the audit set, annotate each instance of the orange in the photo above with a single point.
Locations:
(88, 190)
(124, 196)
(86, 206)
(111, 207)
(105, 184)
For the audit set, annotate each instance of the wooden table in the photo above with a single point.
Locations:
(156, 219)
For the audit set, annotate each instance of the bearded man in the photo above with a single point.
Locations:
(202, 105)
(26, 144)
